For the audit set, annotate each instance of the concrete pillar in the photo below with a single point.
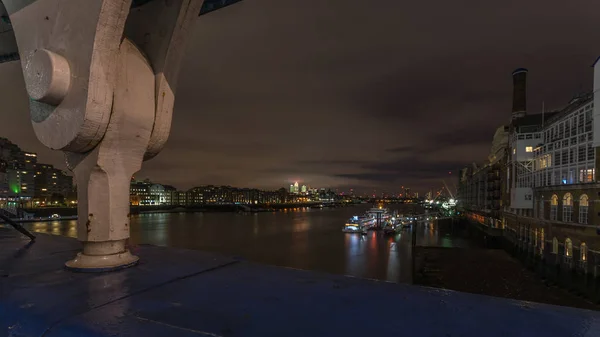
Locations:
(103, 174)
(101, 81)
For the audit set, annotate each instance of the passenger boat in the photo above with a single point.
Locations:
(380, 215)
(357, 224)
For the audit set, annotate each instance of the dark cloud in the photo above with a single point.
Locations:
(466, 135)
(402, 149)
(352, 93)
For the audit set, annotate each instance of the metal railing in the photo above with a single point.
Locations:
(8, 213)
(580, 258)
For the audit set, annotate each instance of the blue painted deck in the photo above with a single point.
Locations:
(175, 292)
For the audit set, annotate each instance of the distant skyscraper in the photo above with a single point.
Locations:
(296, 188)
(291, 188)
(303, 189)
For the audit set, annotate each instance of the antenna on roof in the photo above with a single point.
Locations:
(543, 108)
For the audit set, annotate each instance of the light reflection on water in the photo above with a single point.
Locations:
(306, 239)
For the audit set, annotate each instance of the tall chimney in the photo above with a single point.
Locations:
(519, 108)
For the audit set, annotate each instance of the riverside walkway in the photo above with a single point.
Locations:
(175, 292)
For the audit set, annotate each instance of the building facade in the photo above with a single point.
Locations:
(550, 202)
(481, 188)
(226, 195)
(19, 168)
(52, 186)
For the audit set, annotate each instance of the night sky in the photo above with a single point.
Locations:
(349, 93)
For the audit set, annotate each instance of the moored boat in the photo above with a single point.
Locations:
(357, 224)
(380, 215)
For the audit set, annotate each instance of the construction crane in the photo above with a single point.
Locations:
(447, 189)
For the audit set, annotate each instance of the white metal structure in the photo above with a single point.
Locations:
(567, 153)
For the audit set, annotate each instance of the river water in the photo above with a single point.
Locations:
(303, 238)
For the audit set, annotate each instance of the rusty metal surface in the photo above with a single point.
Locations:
(175, 292)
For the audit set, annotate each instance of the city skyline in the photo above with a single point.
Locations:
(364, 126)
(298, 183)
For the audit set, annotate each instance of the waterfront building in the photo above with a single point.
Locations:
(4, 189)
(18, 165)
(27, 174)
(195, 196)
(563, 162)
(157, 195)
(147, 193)
(170, 195)
(181, 198)
(52, 186)
(481, 187)
(139, 193)
(227, 195)
(550, 194)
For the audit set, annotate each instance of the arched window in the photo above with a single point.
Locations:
(584, 204)
(554, 245)
(535, 237)
(553, 207)
(567, 215)
(568, 248)
(542, 242)
(583, 252)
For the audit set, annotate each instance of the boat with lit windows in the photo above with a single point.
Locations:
(380, 215)
(358, 224)
(392, 226)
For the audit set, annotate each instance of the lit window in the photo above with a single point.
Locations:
(553, 207)
(528, 148)
(568, 207)
(514, 151)
(583, 209)
(568, 248)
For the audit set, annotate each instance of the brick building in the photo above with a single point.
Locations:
(551, 193)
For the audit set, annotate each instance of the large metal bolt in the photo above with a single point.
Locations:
(47, 77)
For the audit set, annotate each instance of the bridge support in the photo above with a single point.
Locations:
(101, 81)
